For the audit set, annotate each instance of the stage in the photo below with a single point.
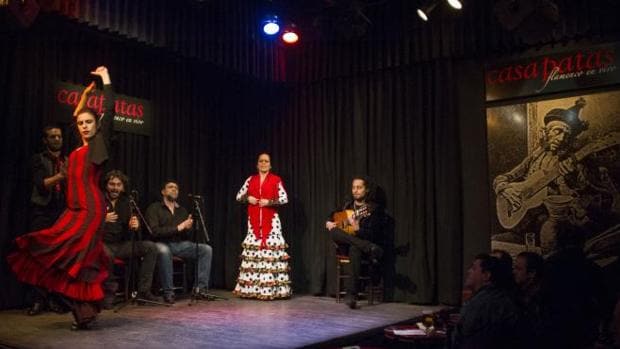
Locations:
(233, 323)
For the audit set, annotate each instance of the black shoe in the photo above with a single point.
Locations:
(205, 296)
(148, 296)
(79, 327)
(37, 308)
(351, 301)
(169, 298)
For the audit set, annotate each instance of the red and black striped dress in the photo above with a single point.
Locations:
(68, 257)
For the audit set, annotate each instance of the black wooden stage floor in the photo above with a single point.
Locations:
(234, 323)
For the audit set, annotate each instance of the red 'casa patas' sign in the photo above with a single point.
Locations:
(558, 72)
(132, 115)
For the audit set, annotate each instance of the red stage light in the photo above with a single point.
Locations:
(290, 37)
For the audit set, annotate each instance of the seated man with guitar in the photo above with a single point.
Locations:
(360, 226)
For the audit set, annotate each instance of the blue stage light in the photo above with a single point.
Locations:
(271, 26)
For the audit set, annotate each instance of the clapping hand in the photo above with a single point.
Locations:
(186, 224)
(111, 217)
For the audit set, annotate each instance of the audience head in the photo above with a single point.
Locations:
(528, 268)
(484, 271)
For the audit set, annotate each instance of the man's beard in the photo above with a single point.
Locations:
(171, 198)
(54, 148)
(360, 198)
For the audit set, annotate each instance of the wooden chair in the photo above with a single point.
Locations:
(123, 269)
(179, 274)
(368, 290)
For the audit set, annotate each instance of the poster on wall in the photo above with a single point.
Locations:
(554, 166)
(132, 115)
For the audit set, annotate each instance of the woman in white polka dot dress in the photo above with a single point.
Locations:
(263, 273)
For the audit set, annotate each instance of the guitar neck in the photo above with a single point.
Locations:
(541, 179)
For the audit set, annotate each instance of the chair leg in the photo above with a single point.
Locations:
(185, 278)
(126, 281)
(338, 280)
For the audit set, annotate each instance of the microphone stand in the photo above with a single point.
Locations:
(134, 293)
(196, 296)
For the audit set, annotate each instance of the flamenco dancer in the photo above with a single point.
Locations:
(68, 258)
(263, 273)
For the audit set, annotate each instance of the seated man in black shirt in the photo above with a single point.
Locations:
(171, 225)
(119, 226)
(367, 227)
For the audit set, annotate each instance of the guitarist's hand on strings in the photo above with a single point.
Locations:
(353, 222)
(330, 225)
(513, 197)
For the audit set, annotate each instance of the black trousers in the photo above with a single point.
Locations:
(122, 250)
(357, 247)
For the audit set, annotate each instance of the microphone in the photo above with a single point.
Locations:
(197, 197)
(134, 194)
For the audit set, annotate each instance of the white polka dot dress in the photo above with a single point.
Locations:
(263, 273)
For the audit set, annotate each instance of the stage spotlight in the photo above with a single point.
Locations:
(424, 12)
(290, 34)
(290, 37)
(271, 26)
(455, 4)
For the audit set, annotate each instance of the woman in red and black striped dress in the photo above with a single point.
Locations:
(68, 258)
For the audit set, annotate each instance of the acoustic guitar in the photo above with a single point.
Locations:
(531, 191)
(341, 218)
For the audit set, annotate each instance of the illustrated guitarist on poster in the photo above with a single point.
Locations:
(360, 227)
(553, 176)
